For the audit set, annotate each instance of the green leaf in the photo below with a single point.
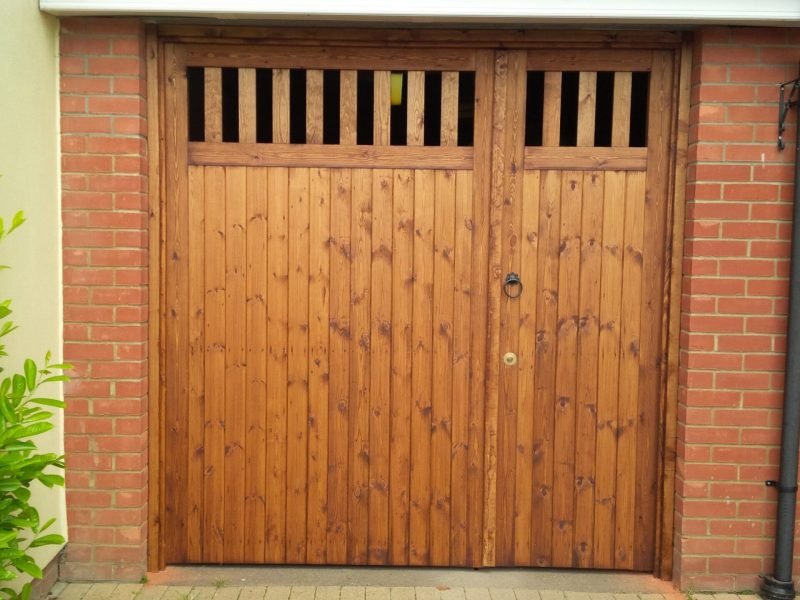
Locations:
(47, 524)
(18, 220)
(26, 565)
(47, 540)
(50, 480)
(25, 592)
(48, 402)
(30, 374)
(56, 378)
(4, 311)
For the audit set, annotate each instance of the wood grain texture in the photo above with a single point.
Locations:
(381, 108)
(348, 104)
(280, 106)
(247, 105)
(621, 111)
(587, 99)
(415, 120)
(313, 106)
(551, 115)
(213, 104)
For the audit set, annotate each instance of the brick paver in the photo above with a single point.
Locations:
(128, 591)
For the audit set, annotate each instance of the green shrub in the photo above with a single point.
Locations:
(23, 416)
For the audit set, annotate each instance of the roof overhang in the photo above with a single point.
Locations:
(666, 12)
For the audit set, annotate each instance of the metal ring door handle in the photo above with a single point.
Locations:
(512, 286)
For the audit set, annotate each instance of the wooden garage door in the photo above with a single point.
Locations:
(335, 323)
(326, 306)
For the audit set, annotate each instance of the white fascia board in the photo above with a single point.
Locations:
(763, 12)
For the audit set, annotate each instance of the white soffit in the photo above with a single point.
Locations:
(734, 12)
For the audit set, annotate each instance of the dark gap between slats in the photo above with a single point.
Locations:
(640, 87)
(534, 108)
(196, 103)
(399, 115)
(264, 106)
(604, 109)
(230, 105)
(466, 108)
(569, 108)
(297, 106)
(365, 92)
(331, 86)
(433, 108)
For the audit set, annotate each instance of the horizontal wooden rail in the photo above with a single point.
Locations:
(586, 159)
(345, 156)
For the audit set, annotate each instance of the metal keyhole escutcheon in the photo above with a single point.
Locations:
(512, 286)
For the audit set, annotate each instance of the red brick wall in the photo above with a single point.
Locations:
(104, 204)
(738, 229)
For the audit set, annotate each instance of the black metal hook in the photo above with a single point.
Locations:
(512, 286)
(785, 103)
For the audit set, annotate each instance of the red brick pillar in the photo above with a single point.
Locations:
(105, 212)
(738, 231)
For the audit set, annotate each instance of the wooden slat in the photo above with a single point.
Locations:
(402, 288)
(666, 522)
(361, 248)
(313, 106)
(449, 119)
(214, 447)
(379, 157)
(318, 365)
(545, 367)
(608, 369)
(551, 114)
(299, 57)
(297, 392)
(348, 102)
(508, 381)
(566, 369)
(655, 278)
(482, 189)
(235, 358)
(381, 106)
(588, 330)
(247, 105)
(442, 396)
(380, 346)
(459, 475)
(277, 323)
(213, 104)
(256, 331)
(415, 122)
(589, 159)
(196, 356)
(590, 60)
(629, 372)
(621, 111)
(280, 107)
(421, 368)
(587, 97)
(340, 344)
(526, 350)
(176, 341)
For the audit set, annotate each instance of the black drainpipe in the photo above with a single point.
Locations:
(780, 585)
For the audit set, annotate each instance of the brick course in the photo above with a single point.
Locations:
(735, 289)
(104, 209)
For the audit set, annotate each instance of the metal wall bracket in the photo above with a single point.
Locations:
(785, 103)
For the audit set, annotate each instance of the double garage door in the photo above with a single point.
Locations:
(413, 304)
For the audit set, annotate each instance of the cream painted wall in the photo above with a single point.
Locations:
(29, 180)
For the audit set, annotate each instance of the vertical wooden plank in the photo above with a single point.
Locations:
(177, 348)
(551, 116)
(318, 371)
(442, 394)
(669, 415)
(415, 122)
(482, 189)
(402, 286)
(277, 333)
(297, 392)
(340, 344)
(464, 226)
(449, 120)
(655, 278)
(494, 268)
(508, 381)
(608, 369)
(587, 96)
(313, 106)
(247, 105)
(586, 406)
(256, 403)
(214, 447)
(566, 369)
(213, 104)
(545, 366)
(380, 347)
(235, 358)
(382, 105)
(347, 107)
(196, 356)
(528, 271)
(621, 111)
(280, 106)
(421, 368)
(629, 371)
(361, 248)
